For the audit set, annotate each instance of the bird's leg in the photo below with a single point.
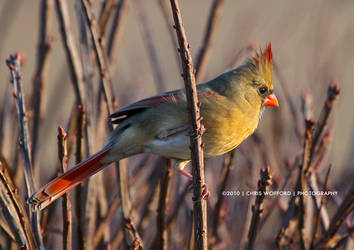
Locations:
(179, 166)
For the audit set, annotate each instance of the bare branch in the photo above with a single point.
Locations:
(39, 79)
(209, 35)
(199, 206)
(257, 208)
(71, 51)
(14, 212)
(67, 217)
(14, 65)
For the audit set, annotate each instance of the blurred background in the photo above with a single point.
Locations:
(312, 43)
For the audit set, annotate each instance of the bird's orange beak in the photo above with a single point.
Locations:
(271, 100)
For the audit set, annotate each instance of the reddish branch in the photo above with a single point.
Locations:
(209, 35)
(257, 208)
(199, 206)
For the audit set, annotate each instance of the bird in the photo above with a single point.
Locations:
(231, 107)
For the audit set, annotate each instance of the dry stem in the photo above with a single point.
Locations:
(209, 35)
(199, 206)
(257, 208)
(14, 65)
(67, 216)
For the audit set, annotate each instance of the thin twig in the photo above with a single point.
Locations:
(332, 94)
(71, 52)
(288, 99)
(132, 236)
(116, 30)
(67, 217)
(80, 131)
(209, 36)
(242, 55)
(178, 205)
(318, 211)
(39, 79)
(14, 65)
(302, 179)
(342, 212)
(105, 222)
(105, 12)
(151, 48)
(169, 23)
(199, 206)
(227, 167)
(165, 186)
(100, 56)
(14, 212)
(257, 208)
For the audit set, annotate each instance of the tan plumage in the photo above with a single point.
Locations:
(231, 106)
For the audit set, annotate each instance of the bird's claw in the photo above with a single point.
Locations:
(204, 195)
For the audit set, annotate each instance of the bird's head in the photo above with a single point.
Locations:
(257, 78)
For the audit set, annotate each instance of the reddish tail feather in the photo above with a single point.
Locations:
(57, 187)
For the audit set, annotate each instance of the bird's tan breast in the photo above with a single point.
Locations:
(227, 125)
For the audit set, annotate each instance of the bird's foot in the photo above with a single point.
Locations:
(204, 195)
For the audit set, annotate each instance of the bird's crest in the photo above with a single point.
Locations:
(263, 61)
(265, 57)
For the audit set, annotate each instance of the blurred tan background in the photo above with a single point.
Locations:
(312, 42)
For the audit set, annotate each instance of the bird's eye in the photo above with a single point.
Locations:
(262, 90)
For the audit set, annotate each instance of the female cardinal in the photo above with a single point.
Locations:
(231, 106)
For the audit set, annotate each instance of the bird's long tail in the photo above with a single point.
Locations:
(57, 187)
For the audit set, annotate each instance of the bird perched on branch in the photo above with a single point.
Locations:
(231, 106)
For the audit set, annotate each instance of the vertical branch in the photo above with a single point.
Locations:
(100, 56)
(318, 212)
(67, 220)
(80, 130)
(39, 79)
(131, 235)
(71, 51)
(302, 179)
(151, 48)
(332, 94)
(116, 30)
(199, 206)
(162, 236)
(14, 65)
(227, 166)
(169, 23)
(257, 208)
(288, 99)
(209, 35)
